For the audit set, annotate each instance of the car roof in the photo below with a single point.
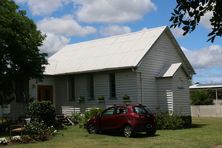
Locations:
(125, 105)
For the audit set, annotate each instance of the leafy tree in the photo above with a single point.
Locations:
(188, 13)
(200, 97)
(20, 57)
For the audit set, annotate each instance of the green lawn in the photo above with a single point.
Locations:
(205, 133)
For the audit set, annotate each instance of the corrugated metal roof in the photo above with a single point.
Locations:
(169, 71)
(121, 51)
(197, 86)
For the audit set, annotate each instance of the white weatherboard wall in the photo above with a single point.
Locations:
(161, 54)
(125, 85)
(181, 93)
(163, 86)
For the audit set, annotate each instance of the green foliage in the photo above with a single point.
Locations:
(188, 14)
(19, 52)
(4, 123)
(166, 121)
(21, 139)
(200, 97)
(79, 118)
(39, 131)
(42, 111)
(126, 98)
(81, 99)
(93, 112)
(101, 98)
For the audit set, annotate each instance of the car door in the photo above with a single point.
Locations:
(119, 118)
(106, 121)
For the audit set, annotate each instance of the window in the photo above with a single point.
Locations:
(109, 112)
(121, 110)
(140, 110)
(71, 88)
(112, 83)
(91, 86)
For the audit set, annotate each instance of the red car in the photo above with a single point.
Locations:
(125, 118)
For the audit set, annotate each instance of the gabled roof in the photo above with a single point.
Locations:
(169, 71)
(116, 52)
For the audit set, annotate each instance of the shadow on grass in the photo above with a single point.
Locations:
(135, 135)
(197, 125)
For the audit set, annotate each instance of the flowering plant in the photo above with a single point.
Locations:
(3, 141)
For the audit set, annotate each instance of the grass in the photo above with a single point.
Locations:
(205, 133)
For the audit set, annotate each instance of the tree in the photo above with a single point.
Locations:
(188, 13)
(200, 97)
(20, 57)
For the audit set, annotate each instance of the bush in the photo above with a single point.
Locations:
(77, 118)
(39, 131)
(81, 119)
(4, 124)
(42, 111)
(166, 121)
(200, 97)
(92, 112)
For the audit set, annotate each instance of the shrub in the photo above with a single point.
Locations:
(81, 100)
(81, 119)
(101, 99)
(42, 111)
(126, 98)
(166, 121)
(3, 141)
(4, 123)
(39, 131)
(77, 118)
(92, 112)
(200, 97)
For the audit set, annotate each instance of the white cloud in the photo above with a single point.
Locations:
(206, 57)
(59, 31)
(65, 25)
(205, 20)
(53, 43)
(177, 32)
(112, 11)
(114, 30)
(207, 63)
(44, 7)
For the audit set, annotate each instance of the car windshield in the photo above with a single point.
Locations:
(142, 110)
(148, 110)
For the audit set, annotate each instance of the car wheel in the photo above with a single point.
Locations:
(128, 131)
(92, 129)
(151, 132)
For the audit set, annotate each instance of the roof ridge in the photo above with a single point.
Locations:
(119, 35)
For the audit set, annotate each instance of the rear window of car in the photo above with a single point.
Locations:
(142, 110)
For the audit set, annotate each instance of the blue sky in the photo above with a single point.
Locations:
(71, 21)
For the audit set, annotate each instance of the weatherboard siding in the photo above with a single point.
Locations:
(101, 85)
(163, 86)
(61, 95)
(162, 53)
(126, 84)
(181, 93)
